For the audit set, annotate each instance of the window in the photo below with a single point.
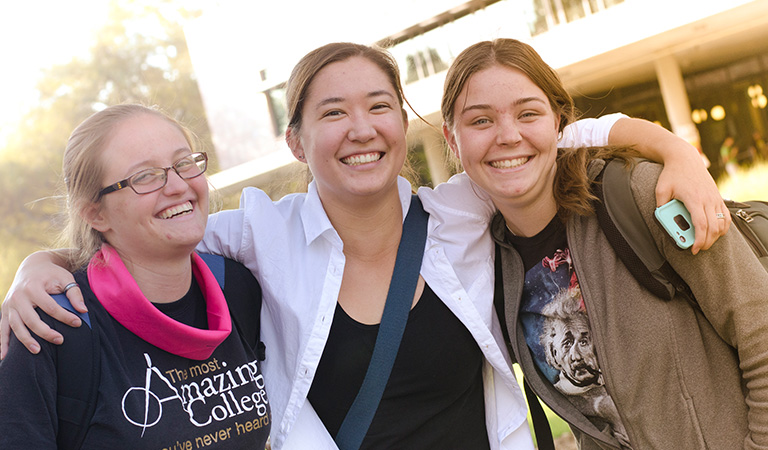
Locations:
(545, 14)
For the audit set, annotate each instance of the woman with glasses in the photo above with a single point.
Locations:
(172, 369)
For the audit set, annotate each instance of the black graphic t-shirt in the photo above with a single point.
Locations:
(147, 398)
(556, 326)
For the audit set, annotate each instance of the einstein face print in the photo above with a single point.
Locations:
(566, 339)
(555, 321)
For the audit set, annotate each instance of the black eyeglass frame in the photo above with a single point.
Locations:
(122, 184)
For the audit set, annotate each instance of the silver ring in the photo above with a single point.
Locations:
(720, 215)
(70, 286)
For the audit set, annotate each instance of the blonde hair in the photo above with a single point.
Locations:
(572, 186)
(83, 171)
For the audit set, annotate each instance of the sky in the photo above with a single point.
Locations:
(36, 34)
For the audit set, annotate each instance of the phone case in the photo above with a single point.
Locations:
(676, 220)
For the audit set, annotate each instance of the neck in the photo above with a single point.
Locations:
(528, 220)
(370, 228)
(161, 281)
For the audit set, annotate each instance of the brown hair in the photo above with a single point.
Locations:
(83, 171)
(572, 186)
(302, 75)
(305, 70)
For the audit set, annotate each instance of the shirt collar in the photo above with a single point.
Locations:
(316, 222)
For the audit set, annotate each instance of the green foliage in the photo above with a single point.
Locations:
(138, 55)
(558, 426)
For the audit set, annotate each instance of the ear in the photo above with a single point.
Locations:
(405, 121)
(294, 143)
(92, 214)
(450, 138)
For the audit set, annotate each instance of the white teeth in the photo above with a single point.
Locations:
(176, 211)
(509, 163)
(361, 159)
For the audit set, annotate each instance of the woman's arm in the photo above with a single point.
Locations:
(40, 274)
(684, 176)
(44, 273)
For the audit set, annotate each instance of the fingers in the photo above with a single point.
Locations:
(25, 319)
(75, 296)
(48, 304)
(690, 183)
(20, 316)
(712, 220)
(22, 333)
(704, 223)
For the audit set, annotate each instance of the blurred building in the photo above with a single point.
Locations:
(697, 67)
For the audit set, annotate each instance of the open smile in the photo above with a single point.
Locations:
(365, 158)
(176, 211)
(509, 163)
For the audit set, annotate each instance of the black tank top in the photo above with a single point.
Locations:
(434, 397)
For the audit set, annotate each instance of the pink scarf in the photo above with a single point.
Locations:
(118, 292)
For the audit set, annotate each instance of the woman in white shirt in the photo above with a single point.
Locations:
(325, 259)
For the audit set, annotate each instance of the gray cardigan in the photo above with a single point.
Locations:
(681, 377)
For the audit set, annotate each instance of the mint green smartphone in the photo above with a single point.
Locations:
(676, 220)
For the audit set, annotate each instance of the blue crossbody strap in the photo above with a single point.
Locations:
(215, 264)
(64, 302)
(402, 288)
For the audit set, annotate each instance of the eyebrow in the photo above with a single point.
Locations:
(331, 100)
(176, 156)
(518, 102)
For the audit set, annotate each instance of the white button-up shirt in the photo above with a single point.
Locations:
(297, 256)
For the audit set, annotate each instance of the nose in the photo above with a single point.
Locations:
(508, 132)
(361, 130)
(174, 183)
(575, 354)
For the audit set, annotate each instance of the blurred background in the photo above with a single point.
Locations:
(696, 67)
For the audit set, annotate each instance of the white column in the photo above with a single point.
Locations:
(435, 151)
(676, 101)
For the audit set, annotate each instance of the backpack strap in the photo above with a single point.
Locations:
(626, 231)
(77, 370)
(240, 307)
(397, 307)
(216, 264)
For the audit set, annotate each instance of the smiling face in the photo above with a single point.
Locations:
(505, 134)
(166, 223)
(352, 131)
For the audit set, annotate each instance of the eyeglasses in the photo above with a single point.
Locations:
(151, 180)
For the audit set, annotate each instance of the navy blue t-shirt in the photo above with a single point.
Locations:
(147, 398)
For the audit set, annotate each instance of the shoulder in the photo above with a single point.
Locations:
(644, 177)
(457, 197)
(238, 273)
(239, 281)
